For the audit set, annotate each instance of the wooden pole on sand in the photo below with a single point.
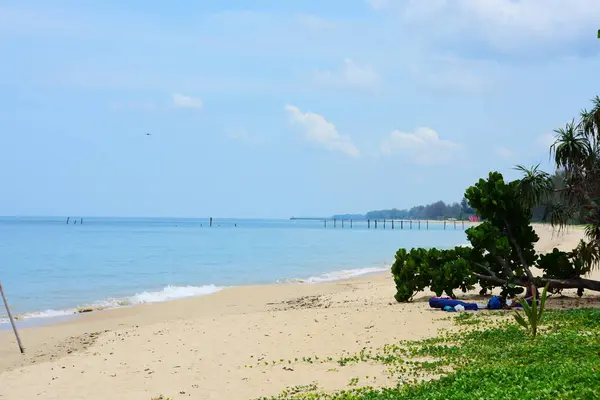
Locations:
(12, 320)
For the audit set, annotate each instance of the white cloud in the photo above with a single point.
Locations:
(423, 146)
(504, 152)
(351, 74)
(318, 130)
(504, 24)
(182, 101)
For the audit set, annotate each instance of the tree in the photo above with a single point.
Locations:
(573, 193)
(503, 246)
(465, 207)
(502, 249)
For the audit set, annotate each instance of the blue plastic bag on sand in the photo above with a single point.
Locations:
(449, 309)
(495, 303)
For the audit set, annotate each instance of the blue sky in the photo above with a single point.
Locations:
(278, 108)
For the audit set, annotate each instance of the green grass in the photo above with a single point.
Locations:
(487, 359)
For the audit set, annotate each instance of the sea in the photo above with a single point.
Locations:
(50, 268)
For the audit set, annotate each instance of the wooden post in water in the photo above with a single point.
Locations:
(392, 224)
(384, 224)
(375, 224)
(444, 224)
(401, 224)
(368, 224)
(427, 224)
(12, 320)
(454, 224)
(325, 221)
(210, 222)
(342, 223)
(419, 224)
(68, 218)
(334, 223)
(411, 224)
(463, 223)
(350, 223)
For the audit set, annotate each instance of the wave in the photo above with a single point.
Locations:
(346, 273)
(336, 275)
(168, 293)
(173, 293)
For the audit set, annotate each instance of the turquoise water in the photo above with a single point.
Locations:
(49, 268)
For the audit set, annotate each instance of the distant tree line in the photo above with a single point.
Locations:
(437, 210)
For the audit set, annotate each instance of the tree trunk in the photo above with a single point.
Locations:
(572, 283)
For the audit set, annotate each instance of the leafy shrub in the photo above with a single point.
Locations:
(449, 270)
(508, 233)
(410, 271)
(558, 264)
(441, 270)
(502, 249)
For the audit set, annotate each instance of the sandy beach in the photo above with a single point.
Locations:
(202, 348)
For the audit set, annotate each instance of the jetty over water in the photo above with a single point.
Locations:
(385, 223)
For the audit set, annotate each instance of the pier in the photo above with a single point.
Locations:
(385, 223)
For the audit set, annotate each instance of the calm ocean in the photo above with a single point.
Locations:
(49, 268)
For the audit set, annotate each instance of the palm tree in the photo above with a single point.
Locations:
(574, 190)
(577, 153)
(590, 120)
(571, 147)
(535, 187)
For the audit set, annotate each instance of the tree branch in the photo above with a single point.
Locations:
(509, 272)
(518, 250)
(487, 269)
(494, 279)
(572, 283)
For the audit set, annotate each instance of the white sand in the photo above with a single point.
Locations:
(198, 348)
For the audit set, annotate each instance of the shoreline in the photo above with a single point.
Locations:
(30, 305)
(52, 316)
(202, 346)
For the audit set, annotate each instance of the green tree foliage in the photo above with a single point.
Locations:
(411, 273)
(502, 250)
(502, 247)
(443, 271)
(450, 270)
(507, 234)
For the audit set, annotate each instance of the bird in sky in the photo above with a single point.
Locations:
(147, 134)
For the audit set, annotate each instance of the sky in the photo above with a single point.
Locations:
(272, 109)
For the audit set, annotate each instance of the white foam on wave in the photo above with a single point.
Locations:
(168, 293)
(41, 314)
(173, 293)
(337, 275)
